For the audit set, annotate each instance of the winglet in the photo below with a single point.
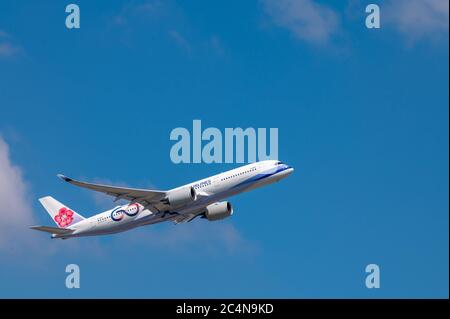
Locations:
(64, 178)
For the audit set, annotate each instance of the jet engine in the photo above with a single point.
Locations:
(218, 211)
(180, 197)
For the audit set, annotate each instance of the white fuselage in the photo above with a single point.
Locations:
(212, 189)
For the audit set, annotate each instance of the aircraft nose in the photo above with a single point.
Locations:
(289, 169)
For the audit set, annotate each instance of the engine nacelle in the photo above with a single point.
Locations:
(180, 197)
(218, 211)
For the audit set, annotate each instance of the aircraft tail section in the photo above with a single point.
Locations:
(62, 215)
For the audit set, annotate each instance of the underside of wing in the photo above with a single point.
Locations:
(142, 196)
(186, 218)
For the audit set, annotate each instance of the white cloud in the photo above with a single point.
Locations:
(180, 40)
(150, 9)
(15, 210)
(200, 236)
(418, 19)
(306, 19)
(216, 44)
(17, 215)
(7, 47)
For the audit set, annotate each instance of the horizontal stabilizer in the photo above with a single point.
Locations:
(53, 230)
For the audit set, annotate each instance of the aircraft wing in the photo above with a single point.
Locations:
(145, 197)
(185, 218)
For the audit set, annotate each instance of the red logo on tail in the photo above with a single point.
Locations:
(64, 217)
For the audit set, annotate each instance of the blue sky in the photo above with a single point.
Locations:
(362, 116)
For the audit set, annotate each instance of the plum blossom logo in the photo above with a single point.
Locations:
(64, 217)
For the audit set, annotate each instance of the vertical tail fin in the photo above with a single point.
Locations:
(62, 215)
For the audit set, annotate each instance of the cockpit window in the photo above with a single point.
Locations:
(279, 163)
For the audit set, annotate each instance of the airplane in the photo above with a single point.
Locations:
(203, 198)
